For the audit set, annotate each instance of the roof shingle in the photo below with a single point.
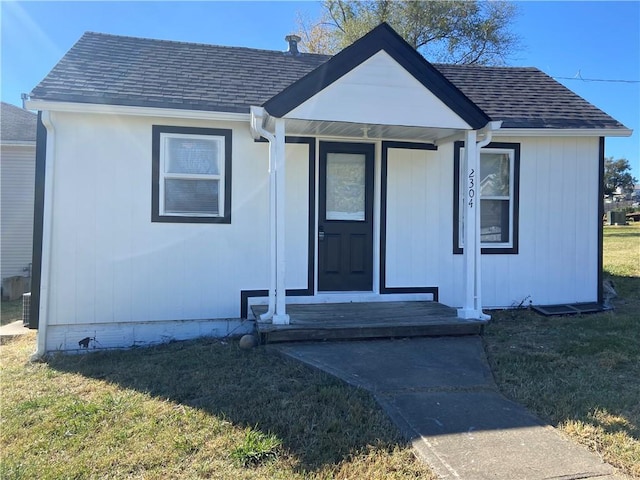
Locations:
(17, 124)
(525, 97)
(109, 69)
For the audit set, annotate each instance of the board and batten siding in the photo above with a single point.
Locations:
(297, 216)
(558, 241)
(124, 280)
(17, 171)
(400, 99)
(419, 217)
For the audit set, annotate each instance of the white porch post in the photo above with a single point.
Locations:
(280, 316)
(470, 195)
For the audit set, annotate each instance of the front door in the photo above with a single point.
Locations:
(345, 222)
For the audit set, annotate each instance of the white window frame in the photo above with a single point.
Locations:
(488, 245)
(510, 197)
(164, 175)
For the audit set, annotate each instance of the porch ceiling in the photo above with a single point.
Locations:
(363, 131)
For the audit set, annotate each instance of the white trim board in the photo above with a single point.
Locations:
(137, 111)
(344, 297)
(563, 132)
(107, 336)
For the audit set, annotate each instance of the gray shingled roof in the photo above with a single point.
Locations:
(109, 69)
(525, 97)
(17, 124)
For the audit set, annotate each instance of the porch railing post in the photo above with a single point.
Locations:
(470, 196)
(280, 316)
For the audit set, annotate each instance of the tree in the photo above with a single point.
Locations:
(453, 31)
(617, 174)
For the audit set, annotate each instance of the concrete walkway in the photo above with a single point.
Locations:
(441, 394)
(13, 329)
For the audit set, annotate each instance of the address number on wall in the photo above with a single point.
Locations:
(472, 187)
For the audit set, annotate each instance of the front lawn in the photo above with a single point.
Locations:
(581, 373)
(206, 409)
(199, 409)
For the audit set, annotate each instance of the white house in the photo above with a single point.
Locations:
(183, 182)
(17, 169)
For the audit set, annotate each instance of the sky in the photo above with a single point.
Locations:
(574, 42)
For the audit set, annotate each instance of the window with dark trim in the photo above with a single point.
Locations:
(499, 198)
(191, 175)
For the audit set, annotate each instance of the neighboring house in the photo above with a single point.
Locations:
(17, 169)
(182, 182)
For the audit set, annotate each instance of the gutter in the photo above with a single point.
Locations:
(107, 109)
(257, 114)
(488, 132)
(47, 233)
(565, 132)
(18, 143)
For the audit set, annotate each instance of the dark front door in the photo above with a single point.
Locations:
(345, 223)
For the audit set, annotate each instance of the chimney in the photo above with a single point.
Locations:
(293, 45)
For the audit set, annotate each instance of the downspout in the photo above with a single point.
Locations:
(47, 234)
(256, 125)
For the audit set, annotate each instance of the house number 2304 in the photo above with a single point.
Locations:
(472, 187)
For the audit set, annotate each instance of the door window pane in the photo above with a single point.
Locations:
(345, 196)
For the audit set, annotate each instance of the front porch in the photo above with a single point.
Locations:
(364, 320)
(376, 95)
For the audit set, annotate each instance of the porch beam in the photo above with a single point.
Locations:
(458, 135)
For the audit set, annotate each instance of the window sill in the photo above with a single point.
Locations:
(190, 219)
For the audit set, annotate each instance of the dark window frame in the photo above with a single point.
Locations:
(156, 216)
(515, 221)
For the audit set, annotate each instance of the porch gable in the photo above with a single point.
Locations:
(342, 70)
(400, 99)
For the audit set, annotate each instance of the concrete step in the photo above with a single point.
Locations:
(297, 333)
(365, 320)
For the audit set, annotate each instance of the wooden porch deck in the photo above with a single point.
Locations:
(344, 321)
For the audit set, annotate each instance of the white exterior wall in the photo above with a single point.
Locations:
(125, 280)
(17, 174)
(558, 252)
(297, 216)
(558, 260)
(119, 278)
(420, 219)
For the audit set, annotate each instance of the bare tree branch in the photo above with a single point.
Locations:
(454, 31)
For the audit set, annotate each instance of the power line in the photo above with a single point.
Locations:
(578, 76)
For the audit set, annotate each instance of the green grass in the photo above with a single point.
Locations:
(581, 373)
(256, 448)
(10, 311)
(207, 409)
(199, 409)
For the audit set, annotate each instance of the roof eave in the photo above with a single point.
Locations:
(143, 111)
(17, 143)
(564, 132)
